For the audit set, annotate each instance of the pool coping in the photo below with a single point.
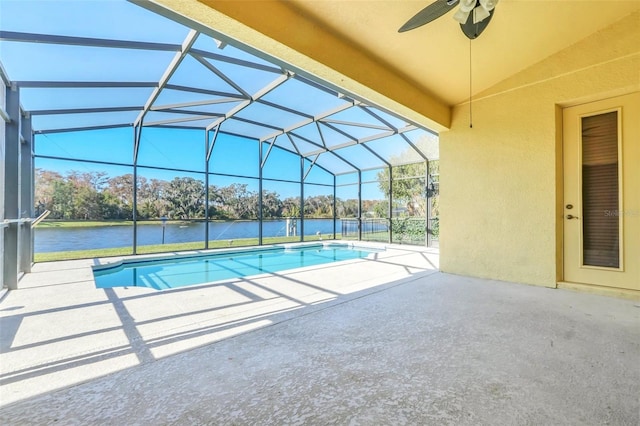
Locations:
(150, 258)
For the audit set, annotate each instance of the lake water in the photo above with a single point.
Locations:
(67, 239)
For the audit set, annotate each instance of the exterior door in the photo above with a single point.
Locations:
(602, 193)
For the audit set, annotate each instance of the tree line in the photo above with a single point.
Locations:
(96, 196)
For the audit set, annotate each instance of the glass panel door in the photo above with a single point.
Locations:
(600, 210)
(600, 191)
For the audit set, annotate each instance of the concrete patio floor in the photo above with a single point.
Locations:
(372, 341)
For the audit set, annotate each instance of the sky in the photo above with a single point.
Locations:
(169, 148)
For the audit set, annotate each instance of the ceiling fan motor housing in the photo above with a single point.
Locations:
(473, 30)
(474, 16)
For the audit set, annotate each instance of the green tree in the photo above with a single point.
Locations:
(185, 198)
(44, 190)
(112, 208)
(291, 207)
(408, 190)
(234, 202)
(347, 208)
(118, 197)
(319, 206)
(271, 204)
(152, 203)
(381, 208)
(62, 200)
(87, 203)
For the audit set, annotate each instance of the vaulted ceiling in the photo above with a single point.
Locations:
(436, 56)
(360, 40)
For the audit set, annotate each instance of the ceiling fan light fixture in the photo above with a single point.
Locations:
(488, 4)
(481, 10)
(472, 25)
(467, 5)
(462, 14)
(480, 14)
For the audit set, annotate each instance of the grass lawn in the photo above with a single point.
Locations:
(164, 248)
(161, 248)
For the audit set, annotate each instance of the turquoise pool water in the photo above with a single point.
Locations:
(165, 273)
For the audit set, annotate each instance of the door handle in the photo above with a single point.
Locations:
(570, 216)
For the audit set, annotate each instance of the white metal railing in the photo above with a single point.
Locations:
(24, 220)
(20, 221)
(40, 218)
(4, 115)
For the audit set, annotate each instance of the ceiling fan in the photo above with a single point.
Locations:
(473, 15)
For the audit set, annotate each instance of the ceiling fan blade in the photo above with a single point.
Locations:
(428, 14)
(473, 30)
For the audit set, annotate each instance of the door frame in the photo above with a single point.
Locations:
(560, 201)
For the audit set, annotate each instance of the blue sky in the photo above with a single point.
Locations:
(179, 149)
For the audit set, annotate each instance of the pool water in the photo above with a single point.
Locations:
(177, 272)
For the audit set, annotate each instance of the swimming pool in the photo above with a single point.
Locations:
(184, 270)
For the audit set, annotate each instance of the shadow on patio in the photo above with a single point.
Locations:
(59, 330)
(330, 345)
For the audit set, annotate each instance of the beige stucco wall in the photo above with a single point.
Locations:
(501, 185)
